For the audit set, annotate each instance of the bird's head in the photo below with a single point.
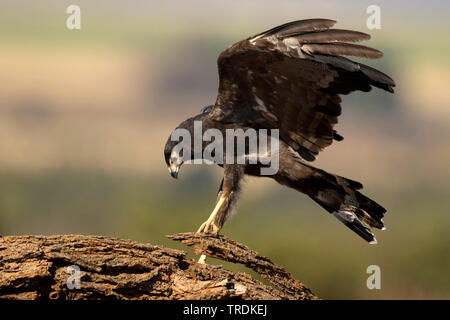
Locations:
(173, 158)
(173, 151)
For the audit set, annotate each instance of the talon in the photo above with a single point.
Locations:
(207, 226)
(202, 228)
(215, 229)
(211, 225)
(202, 259)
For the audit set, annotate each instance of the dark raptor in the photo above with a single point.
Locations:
(290, 78)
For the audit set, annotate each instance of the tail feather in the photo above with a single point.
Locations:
(341, 198)
(351, 221)
(355, 217)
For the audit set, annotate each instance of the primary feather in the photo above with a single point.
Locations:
(297, 27)
(332, 35)
(342, 49)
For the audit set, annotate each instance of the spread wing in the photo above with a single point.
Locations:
(290, 78)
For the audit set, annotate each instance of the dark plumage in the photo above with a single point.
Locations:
(290, 78)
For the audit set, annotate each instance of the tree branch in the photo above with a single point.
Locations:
(36, 267)
(223, 248)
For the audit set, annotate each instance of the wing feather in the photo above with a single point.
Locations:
(297, 27)
(332, 35)
(342, 49)
(290, 77)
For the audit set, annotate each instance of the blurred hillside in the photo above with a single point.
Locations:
(85, 114)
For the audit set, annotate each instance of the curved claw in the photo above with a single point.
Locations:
(202, 259)
(210, 225)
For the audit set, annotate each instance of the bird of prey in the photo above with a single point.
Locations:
(290, 78)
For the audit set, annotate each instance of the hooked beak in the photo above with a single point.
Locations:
(173, 169)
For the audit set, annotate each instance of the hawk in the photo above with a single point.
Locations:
(290, 78)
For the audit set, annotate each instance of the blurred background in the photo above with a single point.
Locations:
(84, 116)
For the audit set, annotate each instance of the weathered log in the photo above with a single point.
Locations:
(223, 248)
(39, 267)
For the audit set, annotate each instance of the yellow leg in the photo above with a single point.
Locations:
(208, 224)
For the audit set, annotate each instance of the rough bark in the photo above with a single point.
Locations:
(37, 267)
(221, 247)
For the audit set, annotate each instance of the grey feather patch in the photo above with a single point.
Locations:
(296, 27)
(351, 221)
(206, 109)
(342, 49)
(332, 35)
